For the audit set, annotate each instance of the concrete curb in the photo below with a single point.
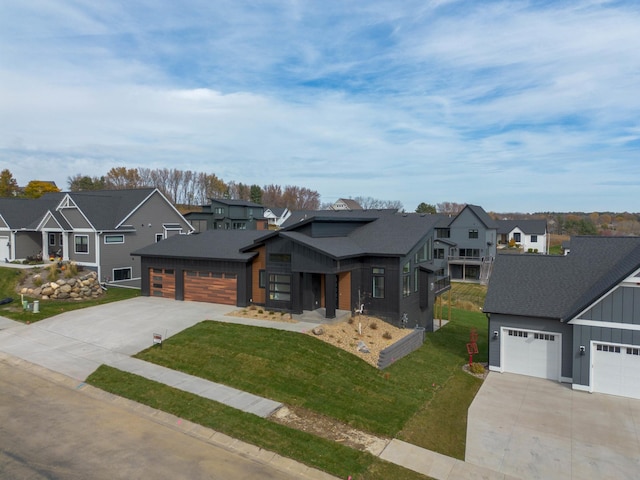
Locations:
(194, 430)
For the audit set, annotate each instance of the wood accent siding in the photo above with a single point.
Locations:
(344, 291)
(259, 263)
(162, 282)
(210, 287)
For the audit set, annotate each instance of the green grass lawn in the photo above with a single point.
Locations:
(422, 399)
(9, 280)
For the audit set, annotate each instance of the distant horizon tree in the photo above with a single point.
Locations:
(8, 184)
(426, 208)
(37, 188)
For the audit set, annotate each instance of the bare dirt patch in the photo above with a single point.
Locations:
(262, 314)
(329, 428)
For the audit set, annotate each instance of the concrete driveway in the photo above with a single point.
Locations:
(539, 429)
(76, 343)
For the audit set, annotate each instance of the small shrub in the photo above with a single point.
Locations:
(476, 368)
(253, 307)
(351, 320)
(37, 280)
(272, 313)
(373, 326)
(387, 336)
(260, 311)
(71, 270)
(52, 274)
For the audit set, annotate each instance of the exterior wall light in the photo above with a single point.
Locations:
(495, 334)
(582, 349)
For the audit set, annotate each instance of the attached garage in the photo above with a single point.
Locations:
(162, 282)
(5, 252)
(212, 287)
(533, 353)
(616, 369)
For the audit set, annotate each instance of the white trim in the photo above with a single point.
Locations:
(45, 218)
(504, 335)
(581, 388)
(601, 324)
(155, 190)
(495, 369)
(59, 208)
(75, 250)
(113, 235)
(566, 379)
(113, 280)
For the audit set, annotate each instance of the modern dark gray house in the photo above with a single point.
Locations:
(572, 318)
(331, 261)
(227, 214)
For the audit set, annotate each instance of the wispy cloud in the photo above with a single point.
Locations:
(512, 105)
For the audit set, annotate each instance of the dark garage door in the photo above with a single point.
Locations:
(212, 287)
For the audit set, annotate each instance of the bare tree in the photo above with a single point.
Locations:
(450, 208)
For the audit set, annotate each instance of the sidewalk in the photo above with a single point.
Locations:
(76, 343)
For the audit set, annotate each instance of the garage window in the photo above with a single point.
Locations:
(633, 351)
(608, 348)
(518, 333)
(544, 336)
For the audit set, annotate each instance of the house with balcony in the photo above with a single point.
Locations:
(275, 217)
(466, 244)
(228, 214)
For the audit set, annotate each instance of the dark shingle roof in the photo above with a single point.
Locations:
(561, 286)
(105, 209)
(211, 245)
(482, 216)
(237, 203)
(386, 235)
(531, 227)
(307, 215)
(26, 213)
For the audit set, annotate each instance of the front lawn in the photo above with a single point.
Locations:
(10, 279)
(303, 371)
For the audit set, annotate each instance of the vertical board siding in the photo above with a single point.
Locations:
(344, 288)
(259, 263)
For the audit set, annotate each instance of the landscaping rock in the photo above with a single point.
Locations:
(318, 331)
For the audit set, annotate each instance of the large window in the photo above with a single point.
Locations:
(279, 287)
(81, 243)
(378, 282)
(443, 232)
(438, 253)
(262, 279)
(406, 279)
(473, 233)
(516, 236)
(120, 274)
(470, 252)
(280, 257)
(114, 239)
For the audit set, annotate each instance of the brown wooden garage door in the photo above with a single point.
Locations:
(163, 282)
(212, 287)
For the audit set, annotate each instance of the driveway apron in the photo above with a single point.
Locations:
(539, 429)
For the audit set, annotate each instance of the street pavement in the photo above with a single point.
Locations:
(54, 428)
(75, 343)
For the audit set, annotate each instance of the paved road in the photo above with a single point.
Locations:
(55, 428)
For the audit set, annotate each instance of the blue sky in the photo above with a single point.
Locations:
(514, 106)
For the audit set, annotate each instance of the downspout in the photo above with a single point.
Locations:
(489, 338)
(98, 262)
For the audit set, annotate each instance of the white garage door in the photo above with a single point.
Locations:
(616, 370)
(4, 248)
(531, 353)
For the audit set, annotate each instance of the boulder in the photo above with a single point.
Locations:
(318, 330)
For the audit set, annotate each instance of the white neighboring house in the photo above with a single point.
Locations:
(530, 235)
(276, 217)
(345, 204)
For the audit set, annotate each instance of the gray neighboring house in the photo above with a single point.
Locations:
(96, 229)
(573, 318)
(227, 214)
(466, 244)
